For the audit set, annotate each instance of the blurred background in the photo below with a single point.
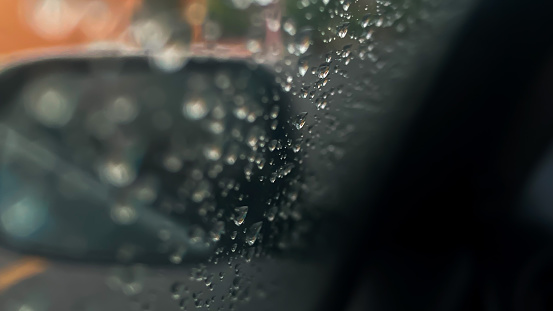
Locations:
(275, 155)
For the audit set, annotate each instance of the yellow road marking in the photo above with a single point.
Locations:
(20, 270)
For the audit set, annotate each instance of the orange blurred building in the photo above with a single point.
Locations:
(35, 24)
(38, 28)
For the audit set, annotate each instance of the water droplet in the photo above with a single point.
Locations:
(212, 152)
(51, 108)
(260, 163)
(177, 289)
(209, 280)
(23, 218)
(299, 120)
(253, 232)
(236, 282)
(345, 4)
(303, 40)
(272, 145)
(151, 34)
(172, 163)
(195, 109)
(342, 30)
(365, 20)
(253, 46)
(274, 125)
(297, 146)
(241, 112)
(170, 58)
(253, 138)
(216, 127)
(53, 19)
(304, 92)
(274, 112)
(198, 303)
(117, 173)
(197, 235)
(217, 231)
(272, 18)
(303, 67)
(177, 255)
(240, 215)
(122, 110)
(321, 103)
(346, 51)
(123, 214)
(290, 27)
(271, 213)
(248, 170)
(322, 71)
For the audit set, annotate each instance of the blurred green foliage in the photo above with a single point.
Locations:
(234, 22)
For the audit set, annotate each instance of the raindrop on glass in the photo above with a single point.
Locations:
(253, 232)
(365, 20)
(299, 120)
(195, 109)
(303, 40)
(217, 231)
(342, 30)
(322, 71)
(117, 173)
(240, 215)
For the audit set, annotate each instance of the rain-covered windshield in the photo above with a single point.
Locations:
(195, 154)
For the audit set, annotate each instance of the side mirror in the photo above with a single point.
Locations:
(109, 159)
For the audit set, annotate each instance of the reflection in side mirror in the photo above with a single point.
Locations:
(110, 160)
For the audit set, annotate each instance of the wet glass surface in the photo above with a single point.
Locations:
(167, 155)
